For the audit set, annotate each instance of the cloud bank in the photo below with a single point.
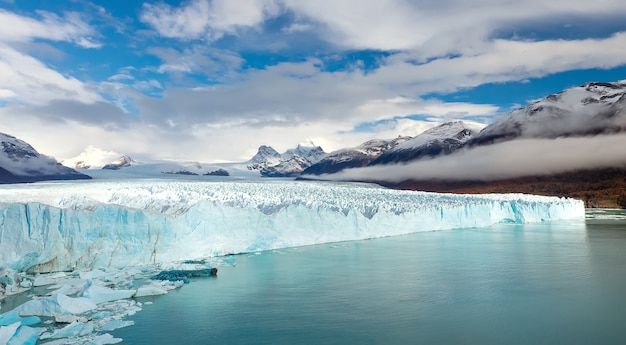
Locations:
(517, 158)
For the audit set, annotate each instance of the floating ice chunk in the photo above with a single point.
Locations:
(12, 317)
(150, 290)
(122, 307)
(104, 339)
(7, 332)
(70, 319)
(25, 336)
(102, 315)
(113, 325)
(93, 274)
(100, 294)
(184, 275)
(48, 279)
(68, 287)
(158, 285)
(75, 329)
(58, 304)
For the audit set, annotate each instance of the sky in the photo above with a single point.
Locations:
(212, 80)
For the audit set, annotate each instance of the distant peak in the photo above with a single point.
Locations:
(265, 149)
(96, 158)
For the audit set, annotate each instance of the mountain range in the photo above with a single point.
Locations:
(462, 156)
(577, 137)
(291, 163)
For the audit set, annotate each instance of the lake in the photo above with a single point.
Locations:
(559, 282)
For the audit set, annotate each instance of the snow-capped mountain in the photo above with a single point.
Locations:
(355, 157)
(96, 158)
(307, 150)
(20, 162)
(288, 168)
(291, 163)
(588, 109)
(265, 157)
(441, 140)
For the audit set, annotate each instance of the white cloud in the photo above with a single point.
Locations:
(301, 92)
(70, 28)
(297, 27)
(290, 102)
(501, 61)
(436, 28)
(203, 19)
(197, 59)
(28, 80)
(32, 82)
(6, 93)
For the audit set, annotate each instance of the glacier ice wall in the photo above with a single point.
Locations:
(98, 224)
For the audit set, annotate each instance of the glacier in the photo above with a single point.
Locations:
(48, 227)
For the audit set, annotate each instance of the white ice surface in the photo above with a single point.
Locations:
(74, 329)
(57, 304)
(98, 293)
(100, 224)
(7, 332)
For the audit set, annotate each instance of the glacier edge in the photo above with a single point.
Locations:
(101, 224)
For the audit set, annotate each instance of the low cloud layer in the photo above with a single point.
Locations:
(524, 157)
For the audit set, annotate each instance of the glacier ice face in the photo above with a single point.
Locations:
(100, 224)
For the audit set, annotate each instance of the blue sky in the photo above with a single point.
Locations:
(211, 80)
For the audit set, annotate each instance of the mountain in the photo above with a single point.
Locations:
(356, 157)
(95, 158)
(20, 162)
(589, 109)
(265, 157)
(307, 150)
(441, 140)
(288, 168)
(593, 110)
(291, 163)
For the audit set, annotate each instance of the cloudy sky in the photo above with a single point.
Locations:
(211, 80)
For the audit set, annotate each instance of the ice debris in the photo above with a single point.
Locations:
(16, 330)
(184, 275)
(82, 306)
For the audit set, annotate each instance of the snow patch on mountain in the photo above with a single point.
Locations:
(96, 158)
(265, 157)
(458, 130)
(291, 163)
(588, 109)
(443, 139)
(354, 157)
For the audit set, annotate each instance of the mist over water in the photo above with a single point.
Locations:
(547, 283)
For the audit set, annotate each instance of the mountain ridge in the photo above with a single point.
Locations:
(290, 163)
(21, 163)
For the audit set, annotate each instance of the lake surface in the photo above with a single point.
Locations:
(548, 283)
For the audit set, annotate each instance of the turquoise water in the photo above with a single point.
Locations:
(558, 283)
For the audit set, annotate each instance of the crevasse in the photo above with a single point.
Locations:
(99, 224)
